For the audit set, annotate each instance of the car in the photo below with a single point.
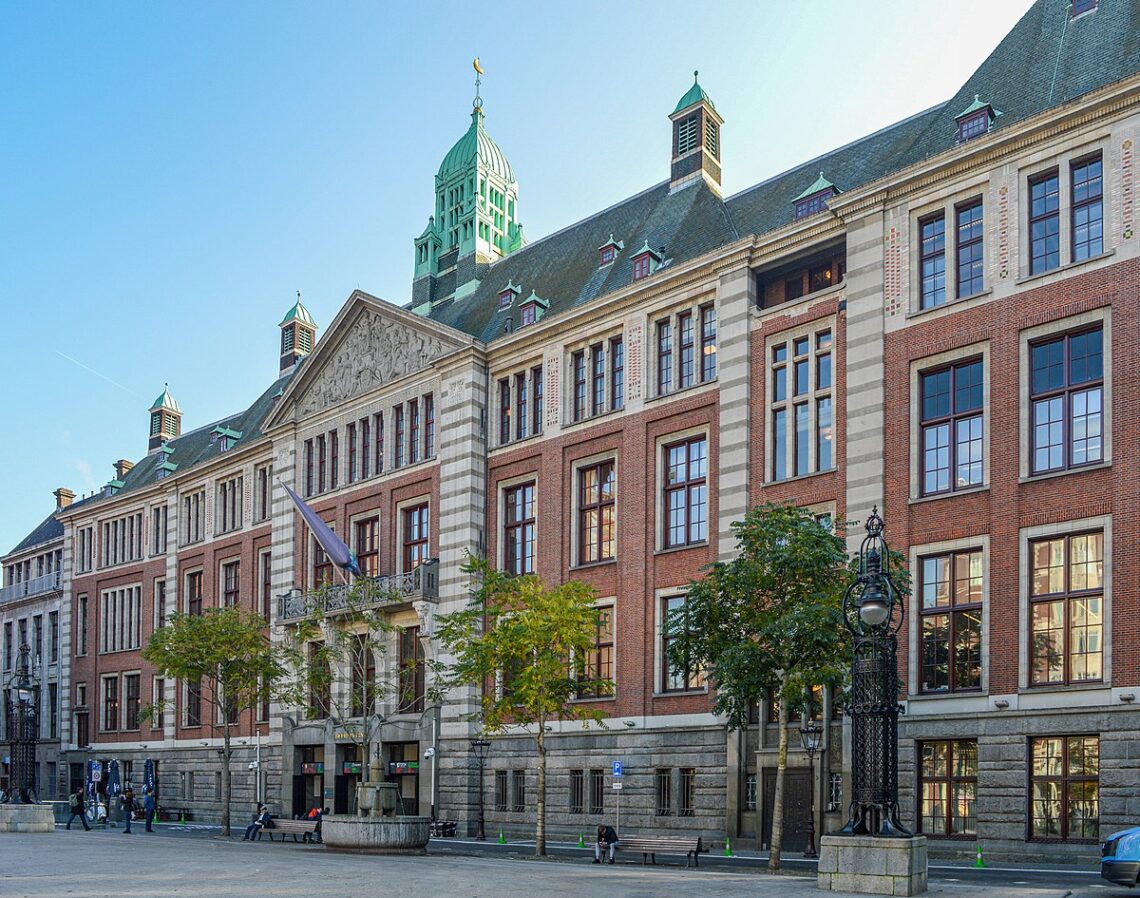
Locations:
(1120, 857)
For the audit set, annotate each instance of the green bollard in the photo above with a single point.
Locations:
(581, 840)
(727, 847)
(979, 863)
(502, 838)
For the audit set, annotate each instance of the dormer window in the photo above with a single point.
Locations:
(1080, 7)
(224, 437)
(508, 294)
(645, 262)
(975, 119)
(607, 255)
(815, 198)
(608, 251)
(527, 315)
(532, 309)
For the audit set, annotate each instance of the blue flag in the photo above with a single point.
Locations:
(338, 553)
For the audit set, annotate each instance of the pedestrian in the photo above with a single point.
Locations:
(127, 803)
(259, 823)
(149, 805)
(607, 838)
(78, 809)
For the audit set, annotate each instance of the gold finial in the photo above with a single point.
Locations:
(478, 101)
(478, 68)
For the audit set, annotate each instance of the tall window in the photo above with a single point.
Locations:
(132, 701)
(367, 539)
(111, 703)
(518, 791)
(193, 516)
(597, 379)
(948, 788)
(1067, 396)
(363, 677)
(500, 790)
(519, 529)
(159, 604)
(664, 782)
(365, 448)
(1065, 788)
(414, 430)
(193, 709)
(266, 560)
(708, 343)
(932, 260)
(231, 588)
(320, 689)
(577, 791)
(398, 436)
(971, 267)
(1044, 223)
(598, 665)
(53, 627)
(264, 489)
(411, 671)
(536, 381)
(158, 720)
(952, 622)
(415, 536)
(309, 477)
(686, 807)
(664, 357)
(120, 613)
(523, 406)
(1067, 609)
(597, 488)
(802, 440)
(334, 458)
(322, 566)
(80, 642)
(674, 623)
(350, 435)
(597, 791)
(1088, 208)
(686, 347)
(617, 373)
(158, 532)
(578, 363)
(194, 592)
(686, 492)
(951, 427)
(505, 410)
(378, 431)
(322, 462)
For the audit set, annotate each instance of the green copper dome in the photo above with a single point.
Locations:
(166, 401)
(693, 96)
(476, 146)
(298, 313)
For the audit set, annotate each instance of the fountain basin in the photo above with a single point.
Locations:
(376, 835)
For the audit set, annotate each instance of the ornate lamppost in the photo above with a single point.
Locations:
(480, 747)
(873, 611)
(811, 735)
(22, 738)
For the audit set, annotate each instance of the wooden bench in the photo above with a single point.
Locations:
(650, 848)
(308, 830)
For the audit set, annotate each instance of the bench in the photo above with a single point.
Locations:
(308, 830)
(650, 848)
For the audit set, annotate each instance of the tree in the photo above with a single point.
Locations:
(226, 654)
(332, 656)
(770, 619)
(526, 647)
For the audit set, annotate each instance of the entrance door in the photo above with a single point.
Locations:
(796, 808)
(300, 796)
(404, 771)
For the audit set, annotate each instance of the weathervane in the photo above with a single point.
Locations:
(478, 103)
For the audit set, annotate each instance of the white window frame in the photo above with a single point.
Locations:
(575, 467)
(423, 499)
(660, 523)
(810, 330)
(501, 487)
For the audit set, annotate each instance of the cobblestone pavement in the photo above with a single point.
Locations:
(102, 864)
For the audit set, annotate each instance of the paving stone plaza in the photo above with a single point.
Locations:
(202, 865)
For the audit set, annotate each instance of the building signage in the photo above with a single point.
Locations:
(350, 768)
(348, 736)
(401, 768)
(313, 768)
(617, 770)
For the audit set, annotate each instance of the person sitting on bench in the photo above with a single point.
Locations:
(259, 823)
(607, 838)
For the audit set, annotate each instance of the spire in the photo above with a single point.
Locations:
(696, 139)
(165, 419)
(166, 401)
(298, 334)
(477, 103)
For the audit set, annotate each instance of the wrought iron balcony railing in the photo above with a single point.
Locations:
(387, 589)
(34, 586)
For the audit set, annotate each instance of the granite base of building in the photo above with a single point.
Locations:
(872, 865)
(26, 818)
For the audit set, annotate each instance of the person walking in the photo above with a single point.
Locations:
(607, 838)
(127, 803)
(149, 805)
(78, 809)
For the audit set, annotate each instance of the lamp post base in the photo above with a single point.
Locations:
(26, 818)
(872, 865)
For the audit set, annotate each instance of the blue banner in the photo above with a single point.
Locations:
(338, 553)
(148, 775)
(113, 785)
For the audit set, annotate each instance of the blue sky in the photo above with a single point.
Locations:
(171, 175)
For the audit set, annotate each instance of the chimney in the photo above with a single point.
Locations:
(122, 466)
(63, 497)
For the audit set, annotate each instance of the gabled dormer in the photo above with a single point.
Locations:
(532, 309)
(814, 198)
(975, 120)
(164, 467)
(608, 251)
(696, 140)
(645, 261)
(508, 294)
(225, 437)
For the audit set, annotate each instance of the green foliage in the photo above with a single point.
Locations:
(772, 617)
(518, 640)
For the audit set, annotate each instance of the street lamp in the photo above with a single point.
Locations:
(811, 735)
(480, 747)
(22, 739)
(873, 611)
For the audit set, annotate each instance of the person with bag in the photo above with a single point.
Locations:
(149, 806)
(78, 809)
(127, 803)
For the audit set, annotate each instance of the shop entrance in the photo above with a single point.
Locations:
(309, 784)
(347, 778)
(404, 770)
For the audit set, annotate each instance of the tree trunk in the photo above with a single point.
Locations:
(778, 797)
(540, 808)
(226, 772)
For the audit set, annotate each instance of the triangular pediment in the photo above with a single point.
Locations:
(370, 343)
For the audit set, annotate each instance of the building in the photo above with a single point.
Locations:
(935, 319)
(31, 615)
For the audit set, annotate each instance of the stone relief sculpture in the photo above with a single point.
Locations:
(377, 350)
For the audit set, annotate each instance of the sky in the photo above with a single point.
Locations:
(172, 174)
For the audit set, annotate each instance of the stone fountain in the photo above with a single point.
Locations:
(376, 828)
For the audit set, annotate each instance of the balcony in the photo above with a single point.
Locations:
(391, 591)
(33, 587)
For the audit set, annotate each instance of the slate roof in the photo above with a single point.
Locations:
(47, 530)
(1045, 60)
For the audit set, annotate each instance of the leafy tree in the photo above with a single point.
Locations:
(524, 646)
(333, 654)
(769, 619)
(227, 652)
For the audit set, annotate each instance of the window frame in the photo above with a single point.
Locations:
(604, 508)
(783, 439)
(951, 422)
(976, 239)
(1066, 392)
(691, 680)
(1068, 596)
(601, 663)
(1075, 206)
(410, 547)
(685, 487)
(1065, 780)
(950, 611)
(1039, 178)
(950, 780)
(525, 527)
(928, 298)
